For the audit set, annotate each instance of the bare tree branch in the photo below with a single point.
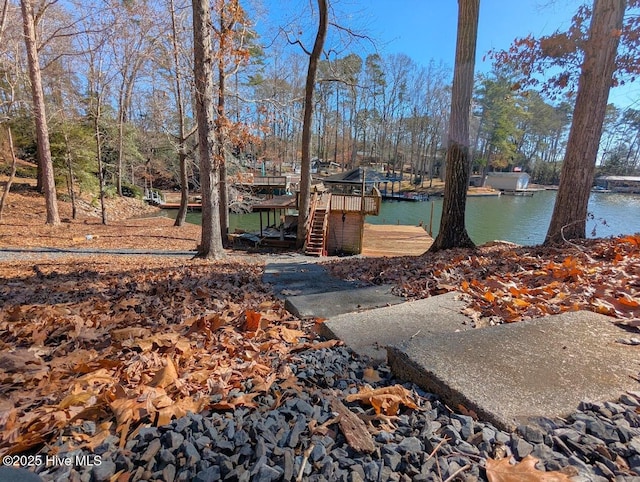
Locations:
(294, 42)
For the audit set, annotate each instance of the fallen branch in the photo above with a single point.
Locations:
(576, 246)
(353, 428)
(305, 459)
(455, 474)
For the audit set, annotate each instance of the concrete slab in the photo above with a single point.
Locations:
(510, 373)
(334, 303)
(298, 277)
(311, 292)
(369, 332)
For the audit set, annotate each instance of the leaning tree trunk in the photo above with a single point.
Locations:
(305, 164)
(453, 233)
(210, 241)
(42, 130)
(569, 217)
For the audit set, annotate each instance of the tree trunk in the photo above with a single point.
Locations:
(96, 126)
(211, 242)
(220, 126)
(42, 130)
(569, 217)
(453, 233)
(120, 140)
(305, 165)
(12, 176)
(72, 189)
(182, 154)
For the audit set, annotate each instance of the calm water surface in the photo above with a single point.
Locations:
(519, 219)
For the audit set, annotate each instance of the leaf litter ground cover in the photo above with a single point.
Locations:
(502, 282)
(132, 342)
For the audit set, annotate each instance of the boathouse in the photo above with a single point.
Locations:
(335, 224)
(628, 184)
(337, 215)
(507, 181)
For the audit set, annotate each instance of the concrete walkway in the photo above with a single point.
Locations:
(513, 372)
(506, 374)
(369, 333)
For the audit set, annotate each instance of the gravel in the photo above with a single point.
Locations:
(275, 441)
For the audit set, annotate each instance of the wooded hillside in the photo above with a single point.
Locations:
(124, 71)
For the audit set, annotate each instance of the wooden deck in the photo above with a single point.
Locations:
(394, 240)
(190, 206)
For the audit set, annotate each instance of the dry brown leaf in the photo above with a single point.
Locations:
(316, 346)
(178, 409)
(371, 375)
(75, 399)
(263, 384)
(385, 400)
(245, 400)
(252, 320)
(130, 333)
(465, 411)
(289, 335)
(155, 308)
(524, 471)
(165, 376)
(126, 411)
(291, 383)
(21, 360)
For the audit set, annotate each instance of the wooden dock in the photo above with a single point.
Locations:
(394, 240)
(190, 206)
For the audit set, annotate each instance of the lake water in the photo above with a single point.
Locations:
(519, 219)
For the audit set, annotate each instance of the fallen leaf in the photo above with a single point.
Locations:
(385, 400)
(465, 411)
(166, 376)
(316, 346)
(130, 333)
(628, 301)
(371, 375)
(289, 335)
(177, 410)
(75, 399)
(252, 322)
(524, 471)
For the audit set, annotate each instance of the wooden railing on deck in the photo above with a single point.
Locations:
(313, 203)
(367, 204)
(316, 232)
(269, 180)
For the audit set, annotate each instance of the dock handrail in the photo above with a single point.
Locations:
(307, 227)
(367, 204)
(320, 201)
(269, 180)
(153, 197)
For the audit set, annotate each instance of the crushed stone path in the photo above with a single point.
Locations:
(506, 374)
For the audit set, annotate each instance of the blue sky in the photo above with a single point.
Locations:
(426, 29)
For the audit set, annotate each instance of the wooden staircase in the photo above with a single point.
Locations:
(316, 243)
